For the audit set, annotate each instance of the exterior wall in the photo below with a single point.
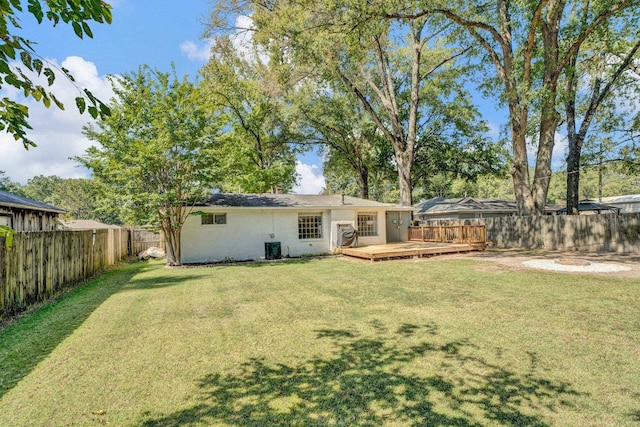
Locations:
(381, 238)
(247, 230)
(626, 207)
(28, 220)
(338, 218)
(245, 233)
(404, 227)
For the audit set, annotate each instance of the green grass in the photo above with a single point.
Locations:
(328, 342)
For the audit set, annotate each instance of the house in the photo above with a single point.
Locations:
(463, 208)
(24, 214)
(590, 207)
(627, 204)
(85, 224)
(267, 226)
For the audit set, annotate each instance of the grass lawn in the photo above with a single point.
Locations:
(439, 342)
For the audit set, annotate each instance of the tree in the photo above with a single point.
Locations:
(454, 147)
(156, 152)
(389, 66)
(256, 149)
(603, 63)
(82, 198)
(348, 140)
(14, 47)
(6, 184)
(530, 45)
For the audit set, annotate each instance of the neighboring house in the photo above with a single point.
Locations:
(84, 224)
(590, 207)
(24, 214)
(259, 226)
(463, 208)
(627, 204)
(440, 208)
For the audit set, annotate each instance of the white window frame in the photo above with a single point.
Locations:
(367, 224)
(213, 218)
(310, 226)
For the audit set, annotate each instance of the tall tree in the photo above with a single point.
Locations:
(156, 152)
(530, 45)
(256, 150)
(385, 65)
(16, 47)
(82, 198)
(336, 124)
(6, 184)
(596, 77)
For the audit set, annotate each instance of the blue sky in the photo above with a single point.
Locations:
(153, 32)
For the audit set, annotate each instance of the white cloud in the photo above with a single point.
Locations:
(311, 179)
(57, 133)
(195, 52)
(243, 37)
(242, 40)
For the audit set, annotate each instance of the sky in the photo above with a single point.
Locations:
(157, 33)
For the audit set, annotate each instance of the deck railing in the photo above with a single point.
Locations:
(449, 234)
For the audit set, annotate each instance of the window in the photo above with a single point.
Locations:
(310, 226)
(5, 220)
(214, 218)
(367, 224)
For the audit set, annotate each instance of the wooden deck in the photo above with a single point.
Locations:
(409, 250)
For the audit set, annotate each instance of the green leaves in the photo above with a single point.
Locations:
(155, 153)
(7, 232)
(14, 118)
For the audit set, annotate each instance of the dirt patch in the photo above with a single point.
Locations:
(512, 260)
(500, 261)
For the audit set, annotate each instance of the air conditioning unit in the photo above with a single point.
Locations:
(272, 250)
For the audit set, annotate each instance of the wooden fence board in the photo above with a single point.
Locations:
(41, 264)
(589, 233)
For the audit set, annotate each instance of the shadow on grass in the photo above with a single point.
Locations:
(401, 377)
(273, 263)
(31, 338)
(159, 282)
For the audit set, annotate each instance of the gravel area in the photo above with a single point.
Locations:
(624, 265)
(593, 267)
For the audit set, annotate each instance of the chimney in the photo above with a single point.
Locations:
(342, 201)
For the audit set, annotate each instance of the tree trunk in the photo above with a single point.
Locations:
(542, 177)
(172, 237)
(573, 180)
(404, 163)
(363, 178)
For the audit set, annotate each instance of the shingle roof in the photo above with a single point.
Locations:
(12, 200)
(629, 198)
(588, 205)
(85, 224)
(295, 201)
(466, 204)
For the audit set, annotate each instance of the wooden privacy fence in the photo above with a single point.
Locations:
(448, 234)
(41, 264)
(589, 233)
(141, 240)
